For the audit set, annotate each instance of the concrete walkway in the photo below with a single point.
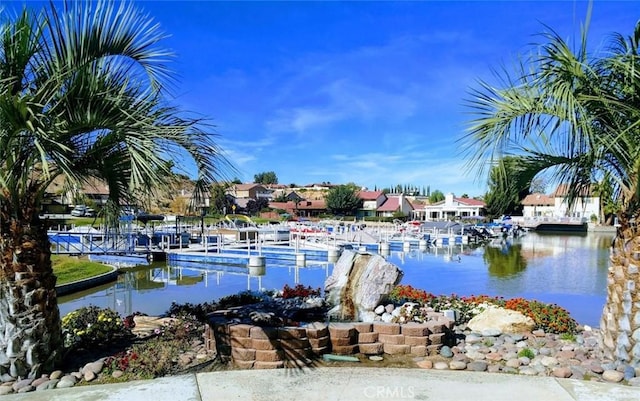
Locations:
(343, 384)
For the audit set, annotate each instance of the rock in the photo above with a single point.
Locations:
(56, 374)
(578, 372)
(26, 389)
(475, 355)
(441, 365)
(48, 385)
(629, 372)
(95, 367)
(387, 317)
(358, 283)
(426, 364)
(527, 371)
(562, 372)
(379, 310)
(4, 390)
(21, 384)
(524, 360)
(612, 376)
(472, 339)
(548, 361)
(635, 382)
(513, 363)
(89, 376)
(491, 332)
(477, 366)
(494, 356)
(596, 368)
(69, 378)
(146, 326)
(457, 365)
(389, 308)
(500, 319)
(369, 317)
(495, 369)
(376, 358)
(446, 352)
(39, 381)
(538, 333)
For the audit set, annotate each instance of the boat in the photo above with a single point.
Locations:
(565, 227)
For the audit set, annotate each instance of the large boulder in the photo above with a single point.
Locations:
(505, 320)
(358, 284)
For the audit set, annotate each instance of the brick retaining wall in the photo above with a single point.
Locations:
(263, 347)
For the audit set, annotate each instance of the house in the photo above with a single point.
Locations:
(538, 205)
(249, 191)
(451, 208)
(394, 205)
(93, 191)
(301, 208)
(556, 205)
(371, 201)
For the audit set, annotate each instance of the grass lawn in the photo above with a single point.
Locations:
(70, 268)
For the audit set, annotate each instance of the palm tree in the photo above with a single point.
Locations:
(82, 96)
(576, 117)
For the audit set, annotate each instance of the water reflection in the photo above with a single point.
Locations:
(504, 260)
(152, 289)
(564, 269)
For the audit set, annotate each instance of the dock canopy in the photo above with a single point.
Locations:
(145, 218)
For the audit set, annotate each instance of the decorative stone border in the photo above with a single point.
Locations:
(250, 346)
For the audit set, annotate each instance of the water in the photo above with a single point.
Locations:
(568, 270)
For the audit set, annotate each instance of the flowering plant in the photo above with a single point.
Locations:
(299, 291)
(551, 318)
(91, 325)
(182, 326)
(405, 293)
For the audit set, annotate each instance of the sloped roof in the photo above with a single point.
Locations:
(562, 190)
(369, 195)
(311, 205)
(470, 202)
(246, 187)
(391, 205)
(302, 205)
(537, 199)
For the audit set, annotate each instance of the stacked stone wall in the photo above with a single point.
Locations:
(263, 347)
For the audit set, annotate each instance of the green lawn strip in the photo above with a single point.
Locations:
(69, 269)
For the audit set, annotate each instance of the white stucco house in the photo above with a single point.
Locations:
(555, 206)
(450, 208)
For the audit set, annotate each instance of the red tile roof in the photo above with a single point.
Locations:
(538, 200)
(562, 190)
(391, 205)
(369, 195)
(470, 201)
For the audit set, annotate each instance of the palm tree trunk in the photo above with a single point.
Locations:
(620, 323)
(30, 330)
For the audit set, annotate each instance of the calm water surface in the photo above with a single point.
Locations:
(569, 270)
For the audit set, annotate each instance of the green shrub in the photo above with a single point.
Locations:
(526, 352)
(239, 299)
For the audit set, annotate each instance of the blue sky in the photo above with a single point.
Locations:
(365, 92)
